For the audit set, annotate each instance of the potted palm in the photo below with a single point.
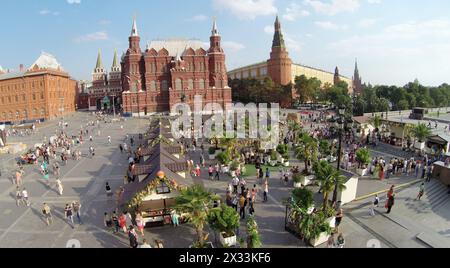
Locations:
(233, 167)
(421, 132)
(303, 198)
(224, 159)
(283, 150)
(363, 158)
(253, 236)
(212, 153)
(273, 158)
(224, 220)
(195, 203)
(299, 180)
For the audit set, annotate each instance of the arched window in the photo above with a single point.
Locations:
(17, 114)
(178, 84)
(190, 84)
(164, 85)
(25, 113)
(42, 111)
(35, 112)
(201, 84)
(153, 85)
(11, 115)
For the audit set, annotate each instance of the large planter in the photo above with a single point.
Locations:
(212, 156)
(225, 169)
(298, 185)
(233, 173)
(286, 163)
(323, 238)
(419, 145)
(332, 222)
(228, 241)
(309, 179)
(362, 172)
(273, 163)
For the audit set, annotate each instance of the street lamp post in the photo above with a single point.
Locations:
(342, 123)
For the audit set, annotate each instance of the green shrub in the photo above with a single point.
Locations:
(224, 219)
(224, 157)
(212, 150)
(303, 198)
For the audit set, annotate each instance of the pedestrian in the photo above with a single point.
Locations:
(217, 170)
(197, 171)
(339, 216)
(121, 148)
(59, 186)
(115, 220)
(235, 183)
(140, 223)
(77, 210)
(109, 139)
(429, 173)
(340, 241)
(210, 172)
(132, 141)
(56, 172)
(254, 193)
(267, 173)
(18, 178)
(18, 196)
(119, 195)
(132, 235)
(108, 190)
(128, 219)
(46, 211)
(266, 190)
(145, 244)
(25, 198)
(374, 204)
(390, 203)
(242, 203)
(421, 191)
(123, 222)
(331, 242)
(68, 214)
(175, 219)
(108, 222)
(90, 138)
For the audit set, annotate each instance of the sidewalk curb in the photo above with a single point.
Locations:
(387, 190)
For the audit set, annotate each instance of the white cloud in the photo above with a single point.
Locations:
(199, 17)
(232, 46)
(247, 9)
(97, 36)
(333, 7)
(374, 1)
(104, 22)
(328, 25)
(46, 12)
(72, 2)
(403, 50)
(294, 11)
(269, 29)
(366, 23)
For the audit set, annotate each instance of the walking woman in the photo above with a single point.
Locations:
(140, 223)
(46, 178)
(59, 186)
(381, 173)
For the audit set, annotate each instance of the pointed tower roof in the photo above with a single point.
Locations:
(99, 64)
(215, 31)
(134, 30)
(278, 39)
(115, 61)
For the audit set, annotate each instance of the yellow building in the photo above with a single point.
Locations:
(280, 65)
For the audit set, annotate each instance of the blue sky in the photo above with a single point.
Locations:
(394, 41)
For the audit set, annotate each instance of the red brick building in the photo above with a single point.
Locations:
(43, 91)
(172, 71)
(105, 91)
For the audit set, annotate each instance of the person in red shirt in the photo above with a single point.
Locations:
(123, 222)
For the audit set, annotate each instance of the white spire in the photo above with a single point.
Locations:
(215, 31)
(134, 31)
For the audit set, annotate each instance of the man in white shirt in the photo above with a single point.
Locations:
(144, 244)
(25, 197)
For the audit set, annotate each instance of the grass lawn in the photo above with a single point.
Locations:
(250, 171)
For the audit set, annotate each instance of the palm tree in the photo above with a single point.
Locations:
(376, 122)
(329, 177)
(421, 132)
(307, 150)
(195, 202)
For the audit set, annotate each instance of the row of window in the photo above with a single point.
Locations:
(252, 74)
(17, 98)
(24, 114)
